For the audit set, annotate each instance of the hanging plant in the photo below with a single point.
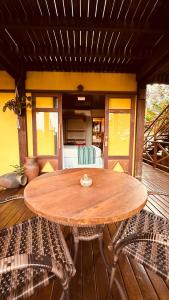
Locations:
(18, 104)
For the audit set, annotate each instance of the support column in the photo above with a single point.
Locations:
(22, 130)
(141, 96)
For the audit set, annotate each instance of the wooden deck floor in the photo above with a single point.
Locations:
(91, 280)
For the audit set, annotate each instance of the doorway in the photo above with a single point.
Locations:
(83, 130)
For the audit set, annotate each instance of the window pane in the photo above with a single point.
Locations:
(47, 133)
(119, 134)
(117, 103)
(47, 102)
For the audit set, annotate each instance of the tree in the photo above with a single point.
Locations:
(157, 98)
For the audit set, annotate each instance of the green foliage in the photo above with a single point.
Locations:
(150, 115)
(157, 99)
(18, 104)
(19, 170)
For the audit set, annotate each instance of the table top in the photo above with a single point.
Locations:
(59, 197)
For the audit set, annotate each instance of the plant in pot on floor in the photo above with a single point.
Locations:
(14, 179)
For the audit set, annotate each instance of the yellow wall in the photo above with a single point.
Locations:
(91, 81)
(9, 150)
(6, 81)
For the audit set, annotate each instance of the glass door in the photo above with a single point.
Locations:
(47, 131)
(119, 134)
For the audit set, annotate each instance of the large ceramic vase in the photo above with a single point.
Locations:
(12, 180)
(31, 168)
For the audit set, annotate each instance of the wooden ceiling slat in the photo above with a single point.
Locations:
(136, 11)
(55, 42)
(112, 8)
(86, 35)
(110, 39)
(62, 40)
(152, 10)
(24, 12)
(64, 8)
(43, 9)
(49, 41)
(83, 8)
(28, 7)
(5, 11)
(145, 11)
(13, 8)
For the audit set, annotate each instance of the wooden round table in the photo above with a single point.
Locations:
(59, 197)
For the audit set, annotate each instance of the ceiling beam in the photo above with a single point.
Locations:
(84, 53)
(5, 66)
(9, 64)
(77, 66)
(159, 57)
(39, 23)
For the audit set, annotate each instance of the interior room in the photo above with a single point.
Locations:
(83, 130)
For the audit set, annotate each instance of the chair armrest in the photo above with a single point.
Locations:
(142, 237)
(162, 193)
(22, 261)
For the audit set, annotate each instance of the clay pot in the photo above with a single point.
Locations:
(22, 179)
(12, 180)
(31, 168)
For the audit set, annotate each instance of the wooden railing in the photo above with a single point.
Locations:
(157, 159)
(156, 141)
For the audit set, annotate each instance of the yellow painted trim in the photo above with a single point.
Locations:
(91, 81)
(116, 103)
(118, 168)
(46, 102)
(47, 167)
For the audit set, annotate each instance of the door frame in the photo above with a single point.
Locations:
(58, 156)
(132, 130)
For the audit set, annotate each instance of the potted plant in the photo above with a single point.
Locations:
(19, 170)
(14, 179)
(18, 104)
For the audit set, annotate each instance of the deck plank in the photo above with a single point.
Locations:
(91, 279)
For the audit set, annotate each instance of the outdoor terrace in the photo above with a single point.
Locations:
(91, 279)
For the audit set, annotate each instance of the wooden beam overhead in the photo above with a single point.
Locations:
(8, 64)
(40, 23)
(34, 53)
(93, 36)
(159, 58)
(5, 66)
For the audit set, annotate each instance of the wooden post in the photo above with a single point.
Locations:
(139, 132)
(22, 130)
(155, 154)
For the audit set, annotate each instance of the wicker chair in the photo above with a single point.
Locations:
(144, 237)
(157, 192)
(88, 233)
(32, 253)
(11, 198)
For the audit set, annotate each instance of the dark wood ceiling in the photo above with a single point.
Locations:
(86, 35)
